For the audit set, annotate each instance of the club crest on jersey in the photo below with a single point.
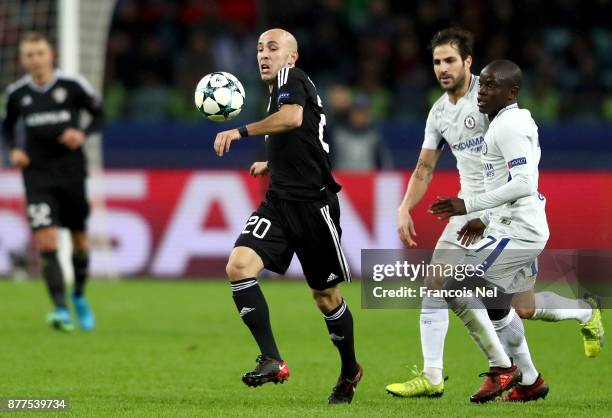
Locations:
(484, 148)
(26, 100)
(59, 94)
(469, 122)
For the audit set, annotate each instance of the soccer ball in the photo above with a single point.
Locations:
(220, 96)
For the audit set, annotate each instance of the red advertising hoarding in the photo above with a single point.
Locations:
(177, 223)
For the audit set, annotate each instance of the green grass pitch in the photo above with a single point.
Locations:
(179, 348)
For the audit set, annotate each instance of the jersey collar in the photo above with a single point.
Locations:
(45, 87)
(512, 106)
(473, 79)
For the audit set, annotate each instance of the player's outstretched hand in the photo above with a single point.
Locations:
(19, 158)
(405, 228)
(447, 207)
(224, 140)
(259, 168)
(72, 138)
(471, 232)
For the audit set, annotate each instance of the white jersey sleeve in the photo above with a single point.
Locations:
(433, 139)
(485, 218)
(513, 141)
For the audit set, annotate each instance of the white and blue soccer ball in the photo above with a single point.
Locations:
(219, 96)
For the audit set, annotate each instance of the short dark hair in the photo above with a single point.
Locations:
(507, 70)
(459, 38)
(32, 37)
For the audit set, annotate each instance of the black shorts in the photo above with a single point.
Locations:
(280, 228)
(58, 203)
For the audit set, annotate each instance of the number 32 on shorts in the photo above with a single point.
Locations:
(40, 214)
(260, 226)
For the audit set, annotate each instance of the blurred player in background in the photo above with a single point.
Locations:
(455, 120)
(54, 168)
(300, 214)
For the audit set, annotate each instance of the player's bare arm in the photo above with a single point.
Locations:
(417, 187)
(288, 117)
(259, 168)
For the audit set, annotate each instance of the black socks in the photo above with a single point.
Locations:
(54, 278)
(253, 310)
(340, 326)
(80, 263)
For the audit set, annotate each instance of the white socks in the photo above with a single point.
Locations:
(434, 325)
(512, 336)
(551, 307)
(511, 342)
(474, 315)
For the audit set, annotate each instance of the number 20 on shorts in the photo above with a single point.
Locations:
(260, 226)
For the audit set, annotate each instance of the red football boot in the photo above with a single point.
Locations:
(345, 388)
(498, 379)
(520, 393)
(268, 369)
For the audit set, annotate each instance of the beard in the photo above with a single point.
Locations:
(459, 81)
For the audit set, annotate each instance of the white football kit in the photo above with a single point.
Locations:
(462, 127)
(514, 210)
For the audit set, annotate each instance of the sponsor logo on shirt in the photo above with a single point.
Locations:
(26, 100)
(47, 118)
(489, 170)
(472, 144)
(517, 161)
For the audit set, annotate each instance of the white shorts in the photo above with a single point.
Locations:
(455, 223)
(449, 249)
(508, 263)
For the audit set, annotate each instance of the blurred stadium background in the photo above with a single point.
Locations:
(166, 206)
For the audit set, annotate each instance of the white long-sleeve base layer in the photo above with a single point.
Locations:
(510, 158)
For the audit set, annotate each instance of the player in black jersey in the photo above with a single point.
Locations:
(53, 165)
(300, 214)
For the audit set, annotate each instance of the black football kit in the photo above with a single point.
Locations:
(55, 178)
(300, 213)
